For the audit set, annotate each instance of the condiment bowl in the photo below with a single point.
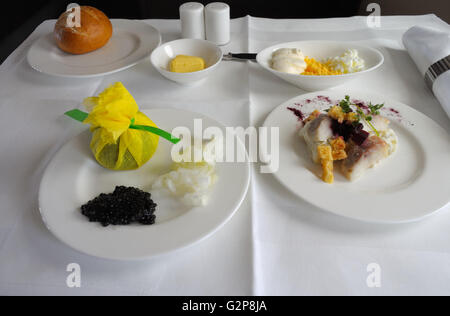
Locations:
(163, 55)
(320, 50)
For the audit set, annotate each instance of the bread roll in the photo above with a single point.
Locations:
(95, 31)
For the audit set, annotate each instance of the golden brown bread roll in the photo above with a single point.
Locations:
(95, 31)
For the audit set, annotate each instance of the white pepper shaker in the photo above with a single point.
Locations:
(192, 16)
(217, 21)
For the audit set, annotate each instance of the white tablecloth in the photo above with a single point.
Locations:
(276, 244)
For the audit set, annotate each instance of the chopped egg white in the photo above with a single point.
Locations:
(348, 62)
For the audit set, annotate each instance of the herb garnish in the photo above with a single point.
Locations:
(346, 106)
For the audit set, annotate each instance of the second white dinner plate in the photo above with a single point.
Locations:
(410, 185)
(73, 178)
(131, 42)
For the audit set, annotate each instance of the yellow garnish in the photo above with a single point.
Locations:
(316, 68)
(338, 146)
(114, 145)
(351, 117)
(112, 110)
(336, 113)
(326, 159)
(313, 116)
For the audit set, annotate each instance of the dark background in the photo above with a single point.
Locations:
(20, 18)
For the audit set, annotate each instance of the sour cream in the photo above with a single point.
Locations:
(289, 60)
(391, 140)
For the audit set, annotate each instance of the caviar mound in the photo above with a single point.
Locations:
(124, 206)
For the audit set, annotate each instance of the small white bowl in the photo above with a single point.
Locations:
(320, 50)
(162, 56)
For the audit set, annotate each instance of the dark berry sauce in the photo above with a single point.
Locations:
(394, 111)
(299, 114)
(324, 99)
(362, 105)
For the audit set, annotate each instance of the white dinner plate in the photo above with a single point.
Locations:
(410, 185)
(131, 42)
(73, 178)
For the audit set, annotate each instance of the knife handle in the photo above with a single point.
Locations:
(240, 57)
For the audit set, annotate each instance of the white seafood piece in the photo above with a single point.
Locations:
(316, 133)
(364, 157)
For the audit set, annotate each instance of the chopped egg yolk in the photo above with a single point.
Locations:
(316, 68)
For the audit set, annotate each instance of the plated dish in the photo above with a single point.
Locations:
(319, 65)
(293, 61)
(131, 42)
(394, 191)
(123, 196)
(352, 134)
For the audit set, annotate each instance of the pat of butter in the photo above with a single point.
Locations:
(183, 64)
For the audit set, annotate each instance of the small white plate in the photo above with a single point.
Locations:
(412, 184)
(210, 52)
(321, 50)
(73, 178)
(131, 42)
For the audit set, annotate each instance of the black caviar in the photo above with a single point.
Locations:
(122, 207)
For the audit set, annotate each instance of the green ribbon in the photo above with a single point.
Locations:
(81, 116)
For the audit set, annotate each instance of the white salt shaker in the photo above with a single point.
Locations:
(192, 16)
(217, 21)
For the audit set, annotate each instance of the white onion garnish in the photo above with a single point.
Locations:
(190, 182)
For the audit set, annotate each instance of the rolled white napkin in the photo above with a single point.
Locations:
(430, 50)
